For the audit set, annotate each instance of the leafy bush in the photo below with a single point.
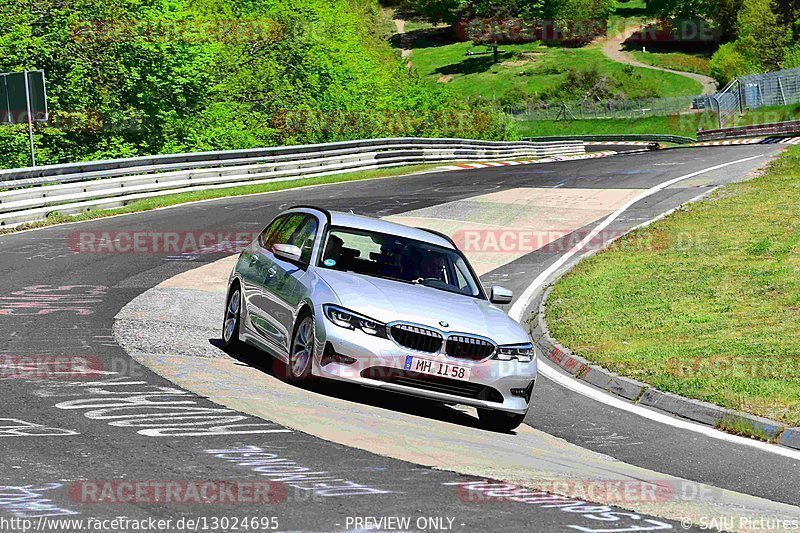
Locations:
(578, 9)
(513, 95)
(729, 62)
(791, 57)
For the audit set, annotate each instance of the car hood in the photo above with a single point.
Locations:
(390, 301)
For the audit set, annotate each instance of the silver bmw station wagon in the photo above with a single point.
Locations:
(352, 298)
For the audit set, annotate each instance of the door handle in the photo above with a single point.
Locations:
(272, 271)
(254, 259)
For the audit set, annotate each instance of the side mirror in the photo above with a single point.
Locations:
(501, 295)
(287, 252)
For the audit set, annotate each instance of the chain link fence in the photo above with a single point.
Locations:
(778, 88)
(747, 93)
(589, 109)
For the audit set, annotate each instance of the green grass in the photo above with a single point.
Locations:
(737, 426)
(416, 25)
(181, 198)
(705, 303)
(684, 126)
(767, 115)
(535, 69)
(681, 61)
(631, 8)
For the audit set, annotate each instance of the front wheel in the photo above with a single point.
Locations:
(499, 420)
(302, 352)
(230, 326)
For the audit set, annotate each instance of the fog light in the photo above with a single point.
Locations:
(526, 393)
(332, 356)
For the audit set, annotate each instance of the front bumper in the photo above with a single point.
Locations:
(379, 362)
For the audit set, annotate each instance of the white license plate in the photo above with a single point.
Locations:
(435, 368)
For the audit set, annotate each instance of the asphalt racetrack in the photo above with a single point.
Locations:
(79, 443)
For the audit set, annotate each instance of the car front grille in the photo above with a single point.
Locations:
(471, 348)
(417, 338)
(454, 387)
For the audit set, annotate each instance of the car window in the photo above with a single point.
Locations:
(283, 234)
(267, 237)
(303, 237)
(463, 277)
(297, 229)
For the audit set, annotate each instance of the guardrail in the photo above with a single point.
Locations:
(757, 130)
(33, 193)
(674, 139)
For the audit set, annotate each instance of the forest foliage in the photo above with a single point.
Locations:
(132, 77)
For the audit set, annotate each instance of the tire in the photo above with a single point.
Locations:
(232, 320)
(499, 420)
(301, 353)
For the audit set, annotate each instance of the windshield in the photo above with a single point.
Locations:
(397, 258)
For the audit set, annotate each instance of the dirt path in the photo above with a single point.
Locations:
(613, 49)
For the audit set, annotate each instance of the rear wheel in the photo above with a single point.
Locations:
(302, 353)
(499, 420)
(230, 326)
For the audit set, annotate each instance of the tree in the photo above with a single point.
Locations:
(762, 38)
(791, 58)
(682, 8)
(789, 13)
(437, 11)
(726, 15)
(578, 10)
(570, 10)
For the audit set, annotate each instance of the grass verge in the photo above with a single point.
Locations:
(685, 125)
(704, 303)
(768, 115)
(673, 125)
(194, 196)
(742, 428)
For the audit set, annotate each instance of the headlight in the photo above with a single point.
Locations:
(523, 353)
(344, 318)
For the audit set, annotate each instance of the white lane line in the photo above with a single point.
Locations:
(574, 385)
(520, 306)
